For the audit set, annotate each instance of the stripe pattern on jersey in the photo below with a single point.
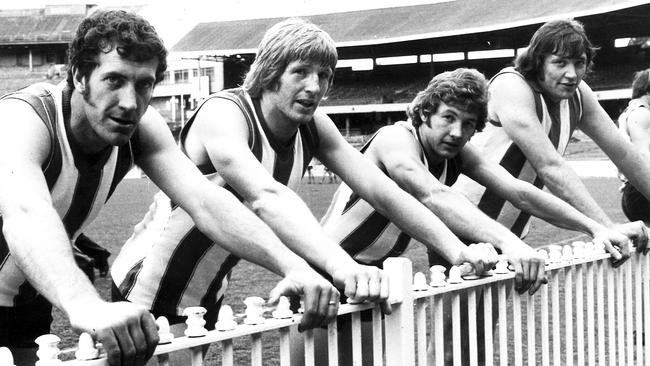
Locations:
(365, 234)
(79, 187)
(169, 264)
(559, 123)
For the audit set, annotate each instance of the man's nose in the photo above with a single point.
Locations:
(312, 83)
(128, 98)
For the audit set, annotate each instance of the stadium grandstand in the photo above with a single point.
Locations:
(34, 43)
(386, 55)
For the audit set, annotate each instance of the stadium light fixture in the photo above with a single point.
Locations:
(360, 64)
(397, 60)
(450, 56)
(622, 42)
(501, 53)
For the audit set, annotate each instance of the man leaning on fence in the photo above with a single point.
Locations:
(533, 110)
(63, 149)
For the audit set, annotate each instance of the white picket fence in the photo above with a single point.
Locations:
(589, 313)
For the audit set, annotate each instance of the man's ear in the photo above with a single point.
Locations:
(423, 117)
(78, 80)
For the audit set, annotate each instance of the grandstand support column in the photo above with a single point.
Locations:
(347, 125)
(31, 64)
(183, 109)
(172, 104)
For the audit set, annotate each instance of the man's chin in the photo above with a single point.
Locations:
(449, 154)
(303, 118)
(119, 139)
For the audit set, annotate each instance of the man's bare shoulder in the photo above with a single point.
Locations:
(395, 143)
(393, 134)
(640, 115)
(19, 122)
(510, 96)
(508, 81)
(218, 109)
(151, 120)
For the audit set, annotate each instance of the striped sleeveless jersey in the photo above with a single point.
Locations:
(168, 264)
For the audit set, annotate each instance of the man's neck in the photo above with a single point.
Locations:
(433, 159)
(280, 126)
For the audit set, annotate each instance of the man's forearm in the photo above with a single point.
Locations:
(552, 209)
(41, 248)
(292, 221)
(418, 221)
(230, 224)
(466, 220)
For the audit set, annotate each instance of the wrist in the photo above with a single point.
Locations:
(453, 255)
(81, 303)
(294, 265)
(594, 228)
(509, 245)
(338, 260)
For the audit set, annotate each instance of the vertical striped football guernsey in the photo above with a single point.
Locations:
(79, 184)
(495, 145)
(168, 264)
(365, 234)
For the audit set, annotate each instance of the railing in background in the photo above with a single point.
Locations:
(589, 313)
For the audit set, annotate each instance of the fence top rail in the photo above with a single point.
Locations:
(494, 278)
(242, 330)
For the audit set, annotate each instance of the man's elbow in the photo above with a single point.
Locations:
(268, 199)
(551, 170)
(438, 197)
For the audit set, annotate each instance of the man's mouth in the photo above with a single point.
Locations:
(306, 103)
(122, 121)
(450, 144)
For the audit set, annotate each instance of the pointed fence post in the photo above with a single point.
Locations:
(400, 338)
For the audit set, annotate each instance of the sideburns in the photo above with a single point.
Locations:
(86, 94)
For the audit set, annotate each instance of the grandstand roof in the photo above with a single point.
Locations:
(53, 24)
(414, 23)
(37, 26)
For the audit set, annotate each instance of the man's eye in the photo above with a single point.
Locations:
(113, 81)
(145, 85)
